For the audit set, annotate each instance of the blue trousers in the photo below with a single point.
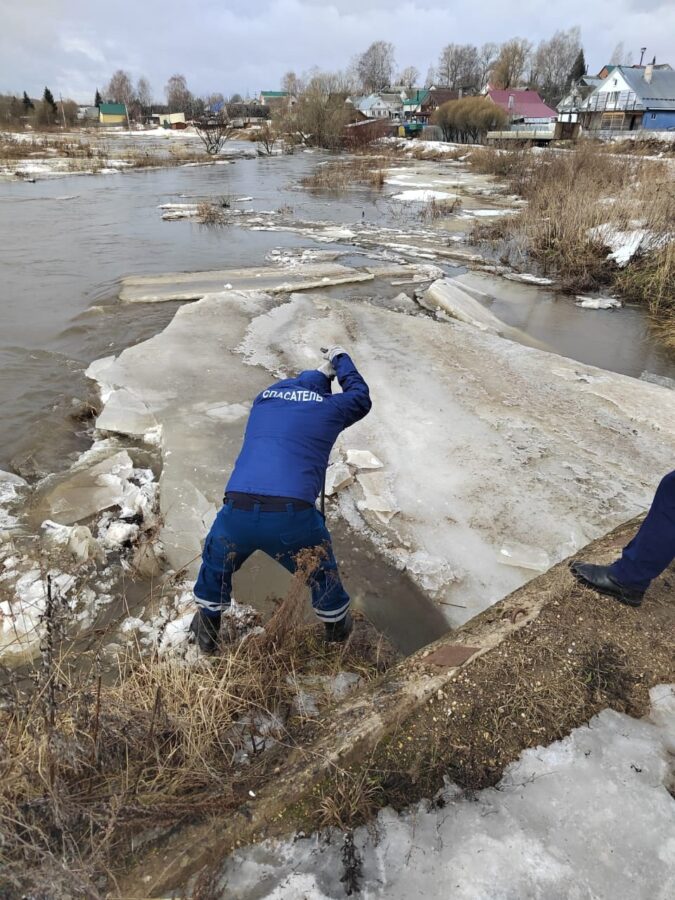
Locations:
(653, 548)
(236, 534)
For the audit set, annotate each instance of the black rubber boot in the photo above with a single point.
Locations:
(338, 632)
(600, 579)
(206, 630)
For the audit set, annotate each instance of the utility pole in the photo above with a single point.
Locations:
(63, 112)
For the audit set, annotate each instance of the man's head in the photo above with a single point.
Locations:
(314, 380)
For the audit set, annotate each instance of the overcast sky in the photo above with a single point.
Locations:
(245, 46)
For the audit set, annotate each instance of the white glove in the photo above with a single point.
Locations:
(326, 368)
(332, 352)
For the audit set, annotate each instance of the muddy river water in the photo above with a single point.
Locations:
(66, 243)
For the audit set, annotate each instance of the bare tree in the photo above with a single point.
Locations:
(376, 66)
(458, 66)
(266, 139)
(487, 56)
(178, 96)
(321, 112)
(620, 56)
(214, 131)
(432, 77)
(214, 102)
(409, 77)
(120, 88)
(291, 84)
(553, 62)
(511, 63)
(143, 93)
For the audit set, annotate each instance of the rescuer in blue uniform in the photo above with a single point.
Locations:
(270, 498)
(649, 553)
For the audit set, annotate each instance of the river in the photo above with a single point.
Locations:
(66, 243)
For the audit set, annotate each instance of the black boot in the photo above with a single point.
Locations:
(206, 630)
(600, 579)
(337, 632)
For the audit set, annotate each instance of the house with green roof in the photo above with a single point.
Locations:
(276, 100)
(112, 114)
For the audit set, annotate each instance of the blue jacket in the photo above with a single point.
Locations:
(291, 430)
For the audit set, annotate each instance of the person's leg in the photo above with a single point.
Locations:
(225, 550)
(653, 548)
(300, 531)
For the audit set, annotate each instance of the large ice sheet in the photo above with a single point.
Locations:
(586, 817)
(194, 285)
(485, 444)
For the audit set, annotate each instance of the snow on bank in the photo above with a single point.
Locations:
(423, 196)
(623, 245)
(485, 443)
(588, 816)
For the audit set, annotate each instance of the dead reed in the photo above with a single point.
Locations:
(572, 196)
(91, 767)
(340, 175)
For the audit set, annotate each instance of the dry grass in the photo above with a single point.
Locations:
(89, 766)
(435, 210)
(342, 174)
(651, 280)
(568, 195)
(210, 213)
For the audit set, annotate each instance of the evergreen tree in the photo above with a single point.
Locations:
(48, 98)
(97, 99)
(27, 102)
(578, 70)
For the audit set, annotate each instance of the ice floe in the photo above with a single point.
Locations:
(597, 302)
(588, 816)
(485, 442)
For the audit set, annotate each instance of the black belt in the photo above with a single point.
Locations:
(265, 504)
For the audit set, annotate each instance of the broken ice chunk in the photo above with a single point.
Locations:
(377, 497)
(523, 557)
(597, 302)
(338, 476)
(86, 490)
(430, 572)
(118, 534)
(363, 459)
(77, 539)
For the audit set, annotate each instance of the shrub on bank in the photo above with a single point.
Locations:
(467, 121)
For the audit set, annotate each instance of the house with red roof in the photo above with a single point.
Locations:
(524, 108)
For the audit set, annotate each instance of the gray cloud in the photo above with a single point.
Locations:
(74, 45)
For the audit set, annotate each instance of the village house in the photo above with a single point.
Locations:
(88, 114)
(112, 114)
(526, 109)
(631, 98)
(435, 97)
(568, 108)
(174, 120)
(384, 105)
(276, 101)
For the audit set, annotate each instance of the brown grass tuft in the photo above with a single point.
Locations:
(341, 175)
(92, 766)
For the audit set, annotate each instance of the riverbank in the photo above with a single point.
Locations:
(32, 156)
(522, 674)
(596, 219)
